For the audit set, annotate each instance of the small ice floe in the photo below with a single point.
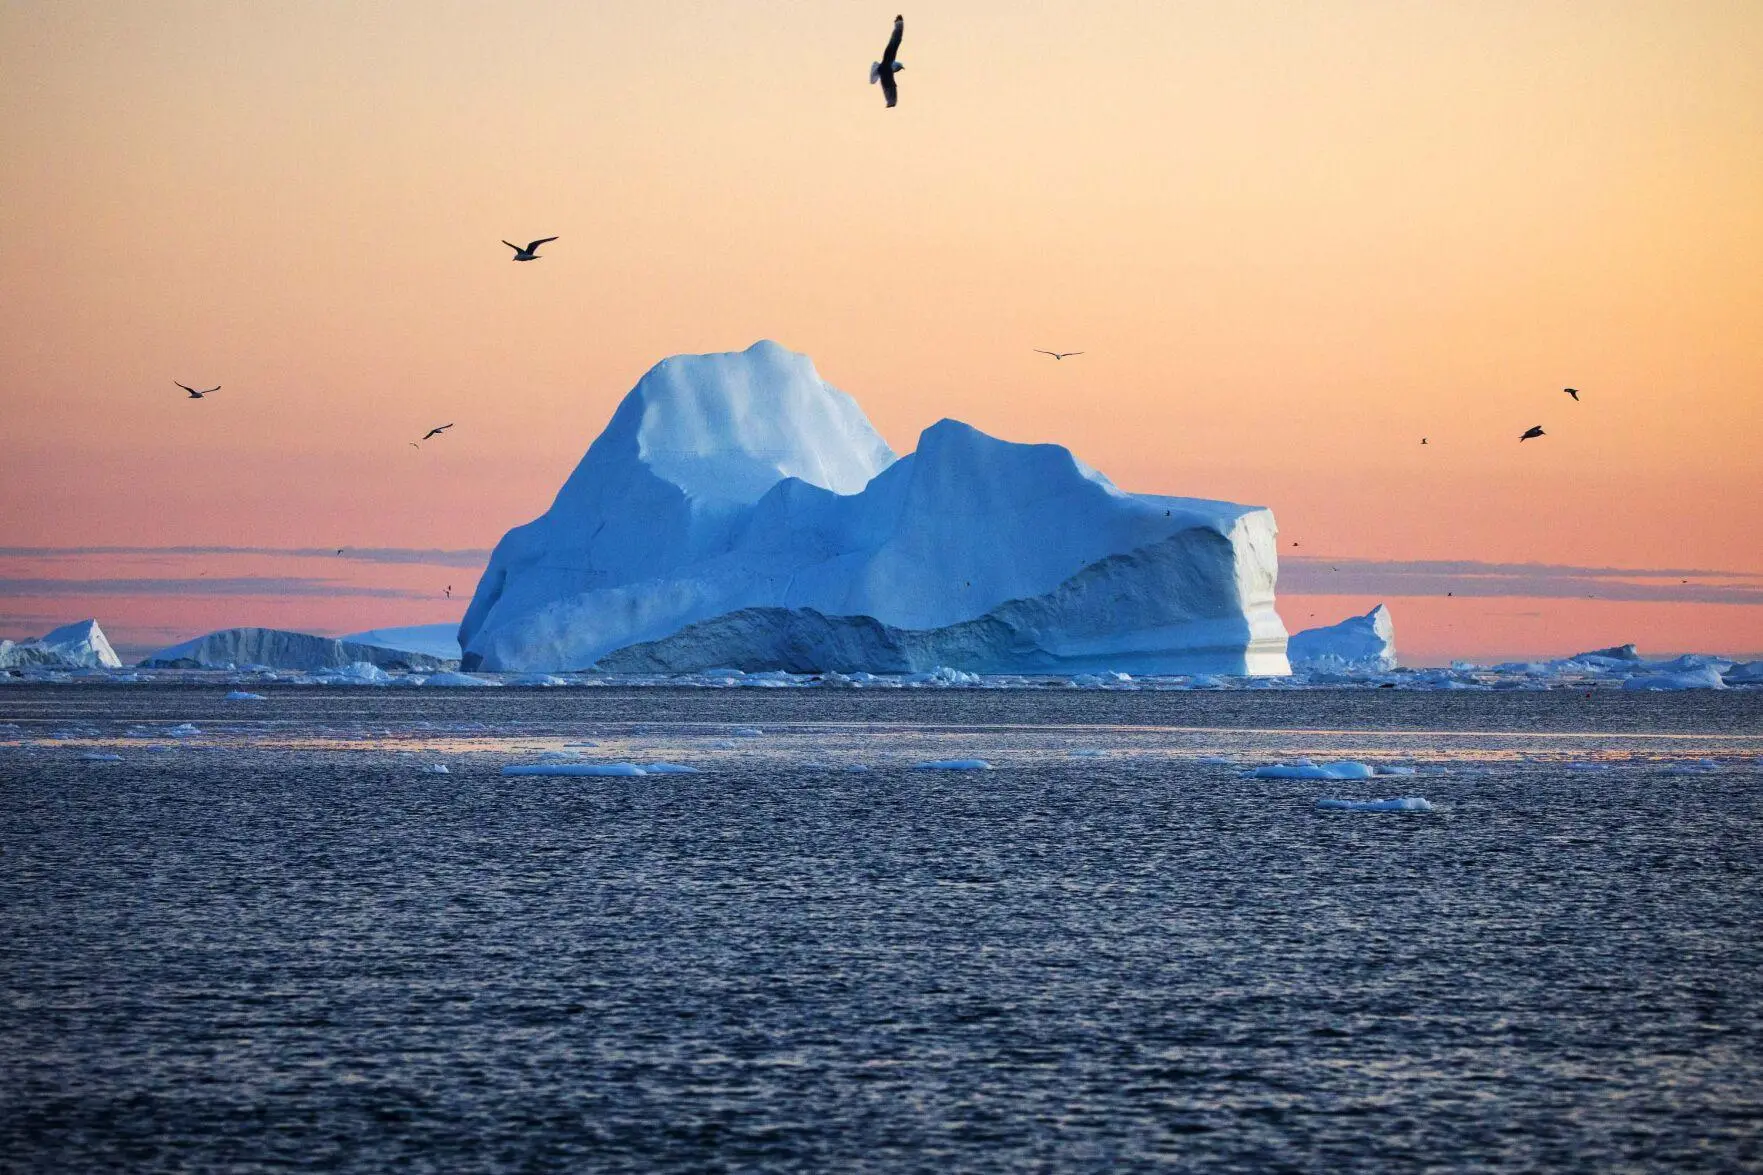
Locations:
(1397, 804)
(1217, 761)
(1591, 767)
(953, 765)
(240, 695)
(1305, 769)
(542, 680)
(1088, 753)
(725, 744)
(1694, 767)
(183, 730)
(747, 732)
(449, 678)
(668, 769)
(858, 767)
(100, 757)
(436, 769)
(573, 769)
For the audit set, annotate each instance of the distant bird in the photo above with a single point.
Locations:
(414, 445)
(1535, 430)
(449, 591)
(531, 252)
(339, 550)
(1058, 354)
(1574, 392)
(194, 394)
(1450, 593)
(435, 432)
(1294, 542)
(1423, 440)
(883, 71)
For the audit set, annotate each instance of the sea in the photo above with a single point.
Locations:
(269, 934)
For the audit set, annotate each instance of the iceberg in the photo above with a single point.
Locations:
(278, 649)
(740, 513)
(81, 645)
(440, 641)
(1358, 642)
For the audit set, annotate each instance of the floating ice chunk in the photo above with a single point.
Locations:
(1588, 767)
(747, 732)
(449, 678)
(1703, 677)
(542, 680)
(1305, 769)
(858, 767)
(240, 695)
(100, 757)
(183, 730)
(953, 765)
(1381, 769)
(1746, 673)
(436, 769)
(1397, 804)
(1088, 753)
(573, 769)
(1694, 767)
(1217, 761)
(669, 769)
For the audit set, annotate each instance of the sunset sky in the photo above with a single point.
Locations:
(1292, 239)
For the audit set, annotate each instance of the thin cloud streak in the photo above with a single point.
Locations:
(242, 585)
(1467, 578)
(427, 556)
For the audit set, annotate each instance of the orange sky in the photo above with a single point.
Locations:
(1292, 239)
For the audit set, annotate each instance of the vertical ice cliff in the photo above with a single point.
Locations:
(740, 511)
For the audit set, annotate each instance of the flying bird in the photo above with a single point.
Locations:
(434, 432)
(1058, 354)
(1574, 392)
(194, 394)
(449, 591)
(531, 252)
(883, 71)
(339, 550)
(1535, 430)
(1423, 440)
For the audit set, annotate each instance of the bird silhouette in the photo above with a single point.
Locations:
(449, 591)
(1574, 392)
(194, 394)
(1423, 440)
(339, 550)
(434, 432)
(531, 252)
(1535, 430)
(1058, 354)
(883, 71)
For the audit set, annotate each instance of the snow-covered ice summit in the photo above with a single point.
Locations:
(740, 512)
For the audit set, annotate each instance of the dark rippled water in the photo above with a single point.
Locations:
(278, 944)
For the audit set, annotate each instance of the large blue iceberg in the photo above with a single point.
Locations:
(738, 511)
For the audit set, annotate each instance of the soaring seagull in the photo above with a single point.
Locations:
(1535, 430)
(194, 394)
(1574, 392)
(883, 71)
(1058, 354)
(435, 432)
(531, 252)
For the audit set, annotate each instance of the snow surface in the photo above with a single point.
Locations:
(740, 512)
(440, 641)
(1367, 641)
